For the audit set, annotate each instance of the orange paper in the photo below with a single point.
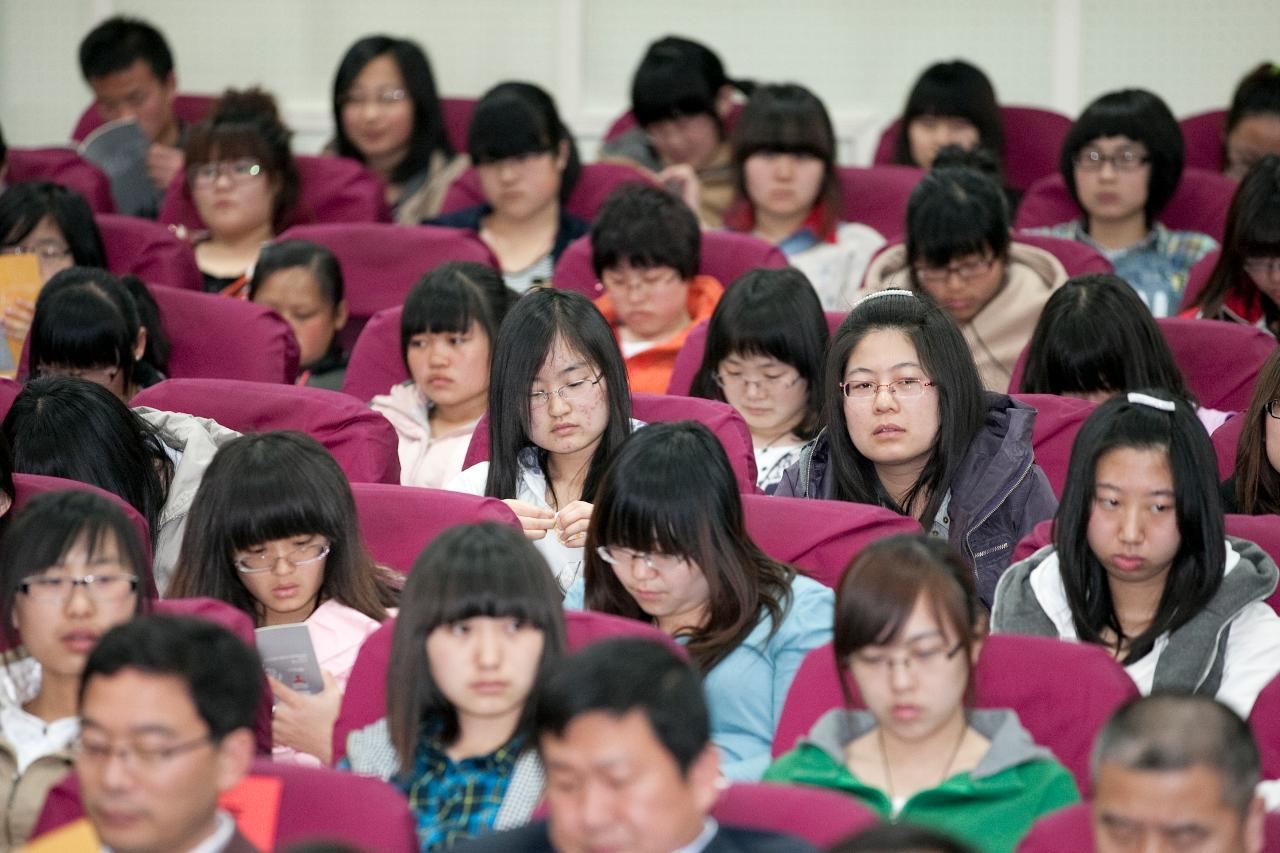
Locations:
(255, 804)
(19, 279)
(76, 837)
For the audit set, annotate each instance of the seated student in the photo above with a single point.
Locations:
(1094, 341)
(127, 64)
(387, 115)
(273, 532)
(447, 329)
(959, 254)
(784, 166)
(909, 628)
(559, 408)
(625, 738)
(900, 838)
(89, 325)
(1244, 286)
(763, 356)
(1168, 768)
(61, 426)
(668, 545)
(1121, 161)
(527, 163)
(1140, 563)
(1252, 128)
(952, 103)
(173, 700)
(243, 181)
(908, 427)
(1254, 488)
(645, 250)
(681, 99)
(482, 603)
(71, 567)
(302, 282)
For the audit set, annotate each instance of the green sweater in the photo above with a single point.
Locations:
(990, 807)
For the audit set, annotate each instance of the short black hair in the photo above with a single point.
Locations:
(316, 259)
(1258, 93)
(646, 227)
(677, 77)
(955, 89)
(24, 205)
(1143, 117)
(118, 42)
(222, 674)
(85, 318)
(622, 675)
(450, 297)
(514, 119)
(900, 838)
(954, 212)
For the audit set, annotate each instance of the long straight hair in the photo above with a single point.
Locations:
(948, 363)
(1257, 482)
(1199, 563)
(953, 89)
(670, 490)
(471, 570)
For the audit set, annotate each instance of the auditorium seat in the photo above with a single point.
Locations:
(148, 250)
(213, 337)
(820, 816)
(1198, 277)
(64, 167)
(1058, 419)
(878, 196)
(189, 108)
(1226, 441)
(1202, 139)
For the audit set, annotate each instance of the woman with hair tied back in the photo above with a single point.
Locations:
(1254, 487)
(908, 632)
(1252, 128)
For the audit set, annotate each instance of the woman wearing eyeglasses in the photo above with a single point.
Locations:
(243, 181)
(71, 568)
(1121, 161)
(908, 631)
(959, 254)
(273, 532)
(1254, 488)
(667, 545)
(909, 427)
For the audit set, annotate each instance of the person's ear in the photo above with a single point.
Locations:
(6, 503)
(170, 85)
(340, 314)
(724, 102)
(704, 778)
(140, 343)
(562, 156)
(1255, 823)
(235, 757)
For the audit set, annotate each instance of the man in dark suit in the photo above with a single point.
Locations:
(625, 739)
(167, 708)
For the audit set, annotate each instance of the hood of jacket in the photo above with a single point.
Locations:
(197, 440)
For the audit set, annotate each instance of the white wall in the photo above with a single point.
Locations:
(859, 55)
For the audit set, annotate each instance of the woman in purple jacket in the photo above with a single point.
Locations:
(909, 427)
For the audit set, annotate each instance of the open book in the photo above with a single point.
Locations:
(119, 148)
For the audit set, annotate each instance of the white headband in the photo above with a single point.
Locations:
(879, 293)
(1153, 402)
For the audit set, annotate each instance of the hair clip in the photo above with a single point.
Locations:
(1153, 402)
(879, 293)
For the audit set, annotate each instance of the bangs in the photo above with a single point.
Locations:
(451, 306)
(943, 100)
(948, 231)
(84, 330)
(1081, 361)
(790, 126)
(758, 333)
(1261, 236)
(224, 142)
(507, 126)
(484, 588)
(275, 503)
(671, 90)
(654, 513)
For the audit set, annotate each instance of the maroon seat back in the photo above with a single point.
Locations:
(878, 196)
(818, 815)
(1264, 719)
(722, 419)
(1202, 140)
(1076, 257)
(362, 441)
(456, 113)
(1058, 419)
(375, 365)
(330, 189)
(190, 108)
(148, 250)
(1198, 277)
(1062, 692)
(1226, 441)
(65, 167)
(725, 256)
(212, 337)
(9, 391)
(397, 522)
(595, 183)
(1199, 204)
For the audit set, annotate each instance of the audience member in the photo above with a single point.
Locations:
(1121, 161)
(1252, 128)
(645, 249)
(909, 628)
(457, 738)
(527, 163)
(668, 545)
(959, 254)
(784, 166)
(387, 115)
(1254, 488)
(1140, 563)
(559, 409)
(952, 103)
(447, 330)
(71, 568)
(167, 708)
(273, 532)
(909, 427)
(1173, 772)
(244, 183)
(764, 349)
(625, 738)
(302, 282)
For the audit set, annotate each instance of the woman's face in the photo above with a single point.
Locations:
(60, 628)
(915, 685)
(1110, 193)
(575, 414)
(287, 590)
(671, 589)
(965, 286)
(929, 134)
(521, 187)
(1133, 523)
(892, 431)
(783, 186)
(1254, 137)
(451, 368)
(235, 198)
(295, 295)
(1271, 427)
(486, 665)
(1264, 272)
(687, 139)
(377, 113)
(47, 242)
(771, 395)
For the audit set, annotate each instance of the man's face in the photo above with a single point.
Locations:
(137, 93)
(149, 774)
(612, 785)
(1170, 810)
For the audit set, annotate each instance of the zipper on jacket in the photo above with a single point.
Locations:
(993, 511)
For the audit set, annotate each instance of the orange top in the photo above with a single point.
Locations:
(649, 372)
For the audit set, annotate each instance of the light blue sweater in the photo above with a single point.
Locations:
(745, 691)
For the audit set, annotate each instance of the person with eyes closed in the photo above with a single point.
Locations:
(71, 567)
(907, 426)
(1140, 563)
(1252, 129)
